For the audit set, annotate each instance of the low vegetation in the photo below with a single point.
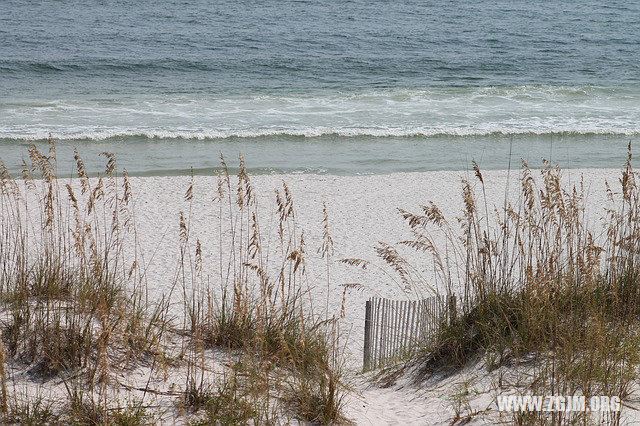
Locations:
(541, 289)
(75, 310)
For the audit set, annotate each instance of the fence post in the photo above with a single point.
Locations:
(367, 336)
(412, 334)
(452, 309)
(383, 331)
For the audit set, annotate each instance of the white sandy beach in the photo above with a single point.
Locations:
(362, 211)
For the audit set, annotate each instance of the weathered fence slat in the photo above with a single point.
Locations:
(367, 336)
(396, 322)
(383, 323)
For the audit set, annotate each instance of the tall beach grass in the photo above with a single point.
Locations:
(542, 291)
(75, 309)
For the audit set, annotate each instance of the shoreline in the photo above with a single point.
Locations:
(352, 156)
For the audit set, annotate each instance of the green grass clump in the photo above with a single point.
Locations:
(229, 403)
(34, 412)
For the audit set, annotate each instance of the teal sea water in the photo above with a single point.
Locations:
(344, 87)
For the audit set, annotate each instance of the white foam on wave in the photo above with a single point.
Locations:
(535, 110)
(165, 134)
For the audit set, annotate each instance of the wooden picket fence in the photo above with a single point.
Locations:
(392, 327)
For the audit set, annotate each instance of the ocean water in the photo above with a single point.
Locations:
(345, 87)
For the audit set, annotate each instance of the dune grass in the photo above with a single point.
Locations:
(264, 315)
(69, 300)
(75, 308)
(540, 288)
